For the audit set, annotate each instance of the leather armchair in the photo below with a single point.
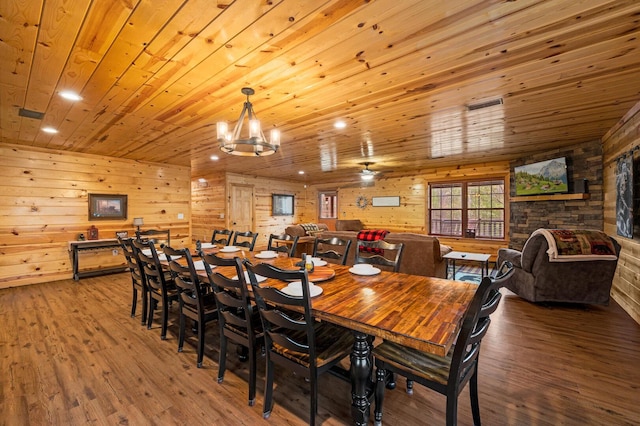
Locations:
(536, 279)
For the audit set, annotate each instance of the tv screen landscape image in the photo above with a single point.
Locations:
(545, 177)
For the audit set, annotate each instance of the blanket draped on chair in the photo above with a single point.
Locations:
(570, 245)
(371, 235)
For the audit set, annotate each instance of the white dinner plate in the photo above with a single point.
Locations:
(199, 265)
(207, 245)
(372, 271)
(260, 278)
(266, 255)
(146, 252)
(229, 250)
(295, 289)
(319, 262)
(165, 257)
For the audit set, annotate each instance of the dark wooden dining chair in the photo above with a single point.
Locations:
(274, 244)
(293, 339)
(238, 319)
(222, 237)
(334, 248)
(162, 290)
(378, 253)
(196, 302)
(138, 280)
(245, 239)
(446, 375)
(160, 237)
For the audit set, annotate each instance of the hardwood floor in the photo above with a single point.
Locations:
(71, 354)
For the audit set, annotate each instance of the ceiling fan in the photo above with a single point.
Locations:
(366, 174)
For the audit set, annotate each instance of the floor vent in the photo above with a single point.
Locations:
(31, 114)
(485, 104)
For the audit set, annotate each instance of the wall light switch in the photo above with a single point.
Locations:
(180, 215)
(221, 215)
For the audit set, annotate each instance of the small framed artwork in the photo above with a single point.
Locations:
(282, 205)
(107, 207)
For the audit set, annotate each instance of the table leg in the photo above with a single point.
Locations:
(361, 367)
(453, 272)
(74, 256)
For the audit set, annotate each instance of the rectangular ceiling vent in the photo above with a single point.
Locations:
(31, 114)
(485, 104)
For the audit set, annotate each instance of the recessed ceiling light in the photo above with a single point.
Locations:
(340, 124)
(71, 96)
(214, 157)
(202, 180)
(49, 130)
(301, 172)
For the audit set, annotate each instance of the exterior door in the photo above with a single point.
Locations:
(241, 208)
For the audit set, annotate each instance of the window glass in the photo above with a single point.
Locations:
(474, 209)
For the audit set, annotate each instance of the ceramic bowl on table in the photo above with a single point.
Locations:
(364, 269)
(318, 261)
(267, 254)
(295, 289)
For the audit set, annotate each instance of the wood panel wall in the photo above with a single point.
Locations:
(621, 139)
(412, 215)
(408, 217)
(211, 200)
(44, 205)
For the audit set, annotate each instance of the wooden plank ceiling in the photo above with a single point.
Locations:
(156, 75)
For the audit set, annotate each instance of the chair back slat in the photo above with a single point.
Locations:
(133, 263)
(474, 326)
(160, 237)
(222, 237)
(151, 264)
(375, 258)
(190, 287)
(232, 295)
(332, 248)
(245, 239)
(283, 248)
(292, 330)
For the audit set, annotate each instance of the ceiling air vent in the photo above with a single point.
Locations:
(485, 104)
(31, 114)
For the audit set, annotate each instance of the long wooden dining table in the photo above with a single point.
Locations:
(421, 312)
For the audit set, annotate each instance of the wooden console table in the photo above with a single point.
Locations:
(75, 247)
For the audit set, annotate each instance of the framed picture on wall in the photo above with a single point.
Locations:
(624, 196)
(282, 205)
(107, 207)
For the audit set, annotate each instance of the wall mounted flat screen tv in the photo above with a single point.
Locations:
(545, 177)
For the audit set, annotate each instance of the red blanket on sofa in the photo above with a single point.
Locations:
(371, 235)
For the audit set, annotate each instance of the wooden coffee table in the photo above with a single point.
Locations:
(472, 257)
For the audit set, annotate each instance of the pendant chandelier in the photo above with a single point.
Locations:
(251, 143)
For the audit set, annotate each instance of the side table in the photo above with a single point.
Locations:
(472, 257)
(75, 247)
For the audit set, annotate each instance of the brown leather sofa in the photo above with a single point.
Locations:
(422, 253)
(299, 231)
(349, 225)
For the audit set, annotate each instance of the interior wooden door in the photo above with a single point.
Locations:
(241, 208)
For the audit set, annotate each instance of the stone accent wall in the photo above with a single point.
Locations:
(584, 161)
